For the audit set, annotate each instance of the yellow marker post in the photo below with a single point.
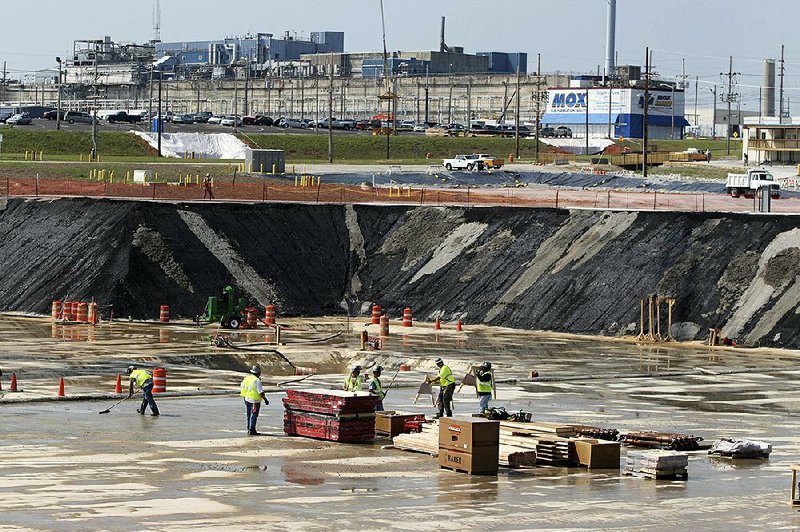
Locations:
(295, 180)
(319, 180)
(274, 167)
(127, 176)
(41, 156)
(81, 157)
(408, 194)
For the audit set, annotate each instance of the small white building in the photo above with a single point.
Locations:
(770, 141)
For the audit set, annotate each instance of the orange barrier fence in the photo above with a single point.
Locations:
(534, 196)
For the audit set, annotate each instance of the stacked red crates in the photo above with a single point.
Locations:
(330, 415)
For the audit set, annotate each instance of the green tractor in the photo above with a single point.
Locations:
(227, 310)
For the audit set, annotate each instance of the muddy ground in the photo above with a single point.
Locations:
(66, 467)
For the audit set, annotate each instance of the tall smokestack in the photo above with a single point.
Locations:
(768, 89)
(442, 45)
(611, 30)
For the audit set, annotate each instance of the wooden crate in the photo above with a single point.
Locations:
(481, 461)
(598, 454)
(468, 433)
(391, 423)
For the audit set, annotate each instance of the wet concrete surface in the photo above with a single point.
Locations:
(66, 467)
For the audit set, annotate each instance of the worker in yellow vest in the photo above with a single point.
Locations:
(253, 392)
(484, 384)
(376, 388)
(447, 387)
(144, 381)
(353, 381)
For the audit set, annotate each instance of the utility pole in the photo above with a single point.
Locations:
(302, 94)
(714, 113)
(646, 109)
(538, 104)
(516, 115)
(469, 103)
(235, 97)
(427, 95)
(160, 122)
(450, 96)
(730, 97)
(696, 90)
(94, 114)
(330, 114)
(150, 104)
(586, 120)
(780, 105)
(58, 105)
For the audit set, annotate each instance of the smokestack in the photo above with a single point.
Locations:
(442, 46)
(611, 30)
(768, 89)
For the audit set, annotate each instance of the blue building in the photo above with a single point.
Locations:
(399, 66)
(506, 62)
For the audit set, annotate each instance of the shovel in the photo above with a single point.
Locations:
(107, 410)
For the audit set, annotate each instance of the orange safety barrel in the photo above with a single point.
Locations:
(56, 310)
(159, 380)
(250, 318)
(376, 314)
(83, 313)
(66, 307)
(163, 315)
(407, 317)
(269, 315)
(94, 313)
(73, 311)
(384, 325)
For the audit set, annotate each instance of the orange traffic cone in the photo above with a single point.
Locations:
(438, 324)
(61, 387)
(13, 382)
(458, 326)
(118, 388)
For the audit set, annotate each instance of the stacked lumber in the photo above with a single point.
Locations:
(597, 433)
(330, 415)
(663, 440)
(514, 452)
(657, 464)
(426, 441)
(538, 427)
(556, 452)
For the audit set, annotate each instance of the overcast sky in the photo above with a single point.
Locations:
(570, 34)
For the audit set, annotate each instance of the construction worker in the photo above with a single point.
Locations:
(447, 386)
(144, 380)
(484, 384)
(207, 192)
(353, 381)
(253, 392)
(376, 388)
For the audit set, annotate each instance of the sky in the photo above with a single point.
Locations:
(569, 34)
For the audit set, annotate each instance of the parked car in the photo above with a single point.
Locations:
(294, 122)
(214, 120)
(72, 117)
(367, 125)
(202, 117)
(183, 119)
(122, 116)
(420, 128)
(231, 121)
(563, 131)
(263, 120)
(168, 116)
(547, 132)
(406, 125)
(52, 114)
(19, 119)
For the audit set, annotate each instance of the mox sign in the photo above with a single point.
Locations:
(620, 101)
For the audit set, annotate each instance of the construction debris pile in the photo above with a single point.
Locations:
(731, 448)
(330, 415)
(657, 464)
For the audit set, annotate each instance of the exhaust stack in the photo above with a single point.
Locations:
(611, 34)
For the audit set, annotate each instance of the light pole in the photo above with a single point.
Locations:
(58, 104)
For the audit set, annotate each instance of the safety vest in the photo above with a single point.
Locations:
(484, 386)
(446, 376)
(376, 382)
(141, 377)
(249, 389)
(353, 385)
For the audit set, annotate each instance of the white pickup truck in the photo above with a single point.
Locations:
(747, 184)
(477, 161)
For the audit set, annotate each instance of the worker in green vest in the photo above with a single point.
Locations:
(353, 381)
(376, 388)
(484, 384)
(253, 392)
(144, 381)
(447, 387)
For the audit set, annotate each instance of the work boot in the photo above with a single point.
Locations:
(140, 411)
(155, 413)
(253, 433)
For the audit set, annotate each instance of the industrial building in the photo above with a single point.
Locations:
(260, 52)
(105, 62)
(616, 112)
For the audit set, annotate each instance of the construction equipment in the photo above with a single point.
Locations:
(226, 310)
(107, 410)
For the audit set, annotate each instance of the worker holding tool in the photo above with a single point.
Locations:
(376, 388)
(144, 380)
(447, 386)
(353, 381)
(253, 392)
(207, 191)
(484, 384)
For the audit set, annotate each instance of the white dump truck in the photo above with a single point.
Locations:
(747, 184)
(476, 161)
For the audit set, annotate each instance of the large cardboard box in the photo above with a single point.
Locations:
(598, 454)
(467, 433)
(481, 461)
(392, 422)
